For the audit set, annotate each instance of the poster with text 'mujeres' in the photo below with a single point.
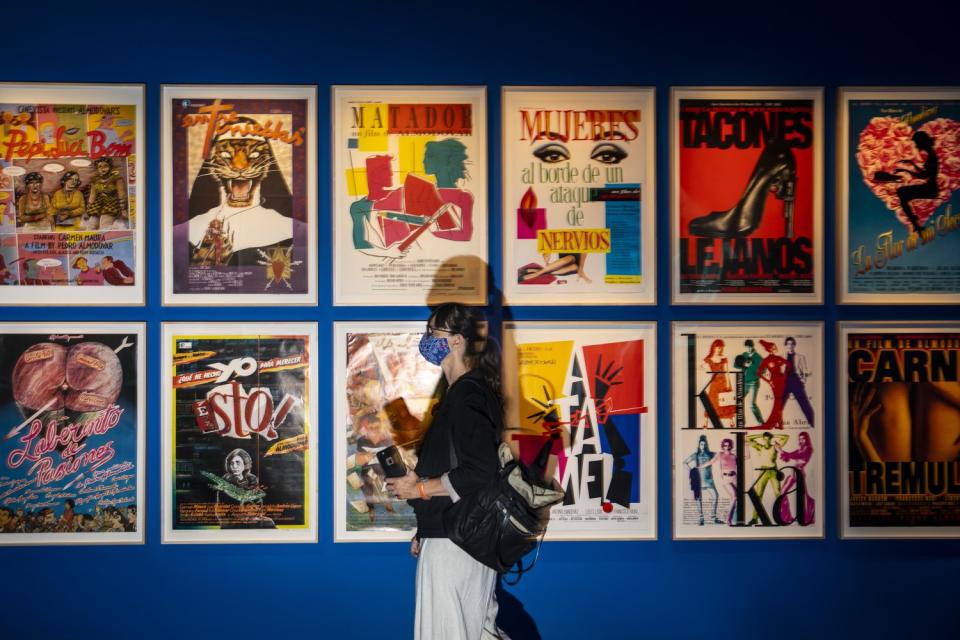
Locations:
(578, 195)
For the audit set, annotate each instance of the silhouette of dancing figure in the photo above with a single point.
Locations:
(928, 189)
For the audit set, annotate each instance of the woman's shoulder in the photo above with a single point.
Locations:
(469, 384)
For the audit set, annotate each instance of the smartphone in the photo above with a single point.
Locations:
(391, 461)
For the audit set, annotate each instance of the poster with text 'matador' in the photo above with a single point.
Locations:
(72, 399)
(581, 403)
(748, 430)
(899, 417)
(239, 423)
(409, 195)
(385, 392)
(898, 210)
(746, 193)
(578, 195)
(239, 195)
(71, 194)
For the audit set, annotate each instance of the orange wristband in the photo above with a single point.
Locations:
(422, 491)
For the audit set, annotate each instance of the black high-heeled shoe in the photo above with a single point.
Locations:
(776, 170)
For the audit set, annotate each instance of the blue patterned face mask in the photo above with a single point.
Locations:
(434, 349)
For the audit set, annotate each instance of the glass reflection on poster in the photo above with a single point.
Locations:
(239, 191)
(899, 417)
(410, 195)
(239, 443)
(72, 425)
(581, 400)
(71, 194)
(899, 208)
(384, 395)
(746, 195)
(748, 430)
(578, 195)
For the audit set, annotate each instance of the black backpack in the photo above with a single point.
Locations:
(501, 523)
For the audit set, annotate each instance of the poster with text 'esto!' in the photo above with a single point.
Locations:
(581, 399)
(71, 434)
(746, 195)
(900, 430)
(70, 201)
(748, 430)
(899, 213)
(410, 195)
(578, 195)
(240, 442)
(239, 195)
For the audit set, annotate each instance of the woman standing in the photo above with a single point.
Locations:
(106, 207)
(455, 593)
(715, 366)
(799, 457)
(727, 460)
(701, 476)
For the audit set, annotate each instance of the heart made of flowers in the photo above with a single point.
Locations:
(885, 142)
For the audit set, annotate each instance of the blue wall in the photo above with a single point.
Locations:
(790, 589)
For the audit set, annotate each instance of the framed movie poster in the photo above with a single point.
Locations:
(384, 393)
(72, 402)
(239, 423)
(409, 195)
(578, 195)
(899, 417)
(581, 398)
(898, 210)
(239, 194)
(746, 195)
(747, 430)
(71, 194)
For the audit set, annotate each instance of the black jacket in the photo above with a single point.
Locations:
(471, 415)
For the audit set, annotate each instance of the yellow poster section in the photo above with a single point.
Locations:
(542, 369)
(374, 139)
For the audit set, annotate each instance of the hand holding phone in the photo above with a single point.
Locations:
(391, 461)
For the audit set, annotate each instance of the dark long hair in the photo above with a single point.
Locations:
(483, 352)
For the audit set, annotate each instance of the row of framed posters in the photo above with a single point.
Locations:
(239, 429)
(409, 205)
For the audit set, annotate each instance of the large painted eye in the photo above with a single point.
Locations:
(552, 153)
(255, 154)
(224, 154)
(608, 153)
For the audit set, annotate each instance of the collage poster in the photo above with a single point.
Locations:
(240, 447)
(69, 198)
(748, 431)
(900, 162)
(385, 395)
(410, 195)
(240, 195)
(900, 430)
(747, 193)
(582, 397)
(71, 453)
(578, 195)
